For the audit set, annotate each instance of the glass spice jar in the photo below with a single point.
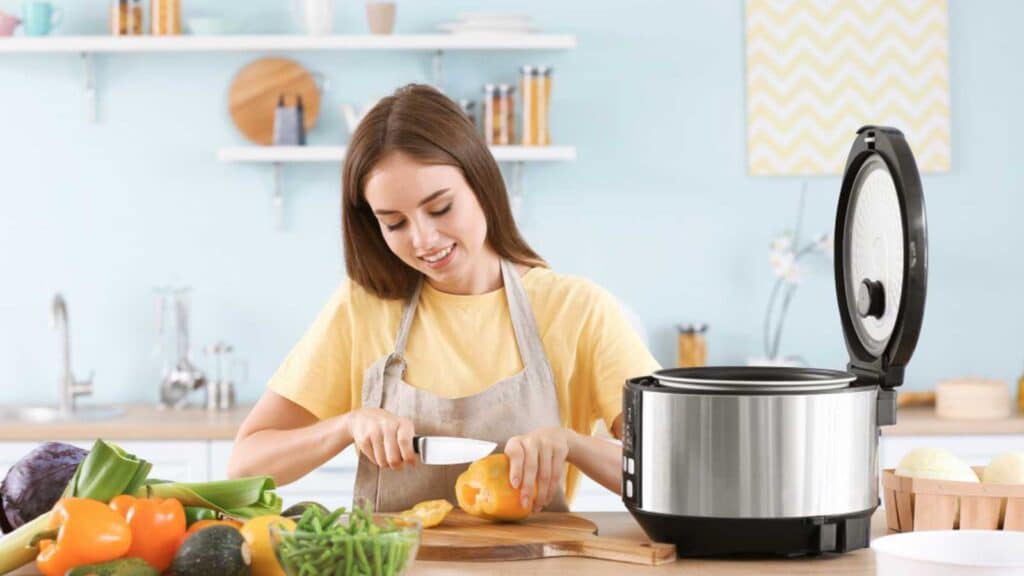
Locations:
(469, 109)
(693, 349)
(165, 17)
(126, 17)
(535, 95)
(499, 114)
(544, 107)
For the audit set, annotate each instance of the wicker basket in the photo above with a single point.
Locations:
(924, 504)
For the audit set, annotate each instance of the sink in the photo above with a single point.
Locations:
(44, 414)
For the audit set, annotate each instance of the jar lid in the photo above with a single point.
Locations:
(692, 328)
(881, 255)
(489, 88)
(529, 69)
(506, 88)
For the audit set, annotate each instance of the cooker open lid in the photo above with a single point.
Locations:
(881, 255)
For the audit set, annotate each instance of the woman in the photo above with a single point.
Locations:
(448, 324)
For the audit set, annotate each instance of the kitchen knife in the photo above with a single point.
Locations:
(450, 449)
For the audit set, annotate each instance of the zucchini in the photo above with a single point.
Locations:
(120, 567)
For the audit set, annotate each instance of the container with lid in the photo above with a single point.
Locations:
(126, 17)
(499, 114)
(535, 90)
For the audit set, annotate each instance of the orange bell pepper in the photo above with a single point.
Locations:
(158, 527)
(484, 490)
(88, 532)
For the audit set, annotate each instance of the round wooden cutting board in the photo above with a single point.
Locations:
(542, 535)
(255, 91)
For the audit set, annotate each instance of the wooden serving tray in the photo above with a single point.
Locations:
(925, 504)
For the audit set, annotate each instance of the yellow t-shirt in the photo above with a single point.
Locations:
(459, 345)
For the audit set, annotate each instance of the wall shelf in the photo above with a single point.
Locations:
(285, 42)
(89, 46)
(280, 155)
(305, 154)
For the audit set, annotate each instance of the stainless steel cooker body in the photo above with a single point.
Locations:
(717, 454)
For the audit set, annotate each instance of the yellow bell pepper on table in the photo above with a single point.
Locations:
(484, 490)
(87, 532)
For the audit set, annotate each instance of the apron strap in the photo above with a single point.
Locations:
(531, 348)
(408, 312)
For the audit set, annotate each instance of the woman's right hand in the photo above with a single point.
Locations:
(385, 439)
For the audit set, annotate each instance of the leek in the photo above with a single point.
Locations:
(108, 471)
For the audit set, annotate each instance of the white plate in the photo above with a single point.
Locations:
(462, 28)
(949, 553)
(479, 17)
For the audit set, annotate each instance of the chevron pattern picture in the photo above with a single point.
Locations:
(819, 69)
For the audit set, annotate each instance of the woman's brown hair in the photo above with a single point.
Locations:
(419, 121)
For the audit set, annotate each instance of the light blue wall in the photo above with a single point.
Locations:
(658, 208)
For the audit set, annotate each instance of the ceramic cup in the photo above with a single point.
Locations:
(39, 17)
(7, 24)
(381, 17)
(316, 16)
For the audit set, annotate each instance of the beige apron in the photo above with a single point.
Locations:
(515, 405)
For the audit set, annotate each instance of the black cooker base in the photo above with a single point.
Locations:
(699, 536)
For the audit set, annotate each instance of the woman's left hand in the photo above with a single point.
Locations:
(537, 462)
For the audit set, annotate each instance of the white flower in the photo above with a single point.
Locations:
(781, 262)
(783, 243)
(793, 274)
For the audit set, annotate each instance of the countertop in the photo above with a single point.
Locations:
(147, 422)
(621, 525)
(139, 422)
(921, 421)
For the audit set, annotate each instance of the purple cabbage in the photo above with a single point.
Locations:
(35, 483)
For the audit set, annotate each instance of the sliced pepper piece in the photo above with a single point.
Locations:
(157, 525)
(430, 513)
(88, 532)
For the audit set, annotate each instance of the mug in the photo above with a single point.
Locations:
(381, 17)
(316, 16)
(7, 24)
(39, 17)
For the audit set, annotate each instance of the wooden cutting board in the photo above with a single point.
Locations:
(256, 88)
(542, 535)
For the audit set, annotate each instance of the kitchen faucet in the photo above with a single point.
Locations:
(69, 387)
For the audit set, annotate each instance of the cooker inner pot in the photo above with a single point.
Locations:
(754, 378)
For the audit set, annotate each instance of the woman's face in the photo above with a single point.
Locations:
(430, 218)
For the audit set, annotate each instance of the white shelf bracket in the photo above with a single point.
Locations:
(438, 70)
(517, 187)
(278, 199)
(88, 87)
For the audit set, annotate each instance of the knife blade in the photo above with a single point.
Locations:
(450, 449)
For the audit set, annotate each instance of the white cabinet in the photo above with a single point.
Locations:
(332, 484)
(592, 497)
(181, 461)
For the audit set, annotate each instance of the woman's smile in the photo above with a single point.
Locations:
(438, 259)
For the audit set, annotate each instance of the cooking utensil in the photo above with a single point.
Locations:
(950, 552)
(462, 537)
(254, 93)
(781, 460)
(8, 24)
(450, 450)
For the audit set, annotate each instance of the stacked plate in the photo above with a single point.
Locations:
(478, 23)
